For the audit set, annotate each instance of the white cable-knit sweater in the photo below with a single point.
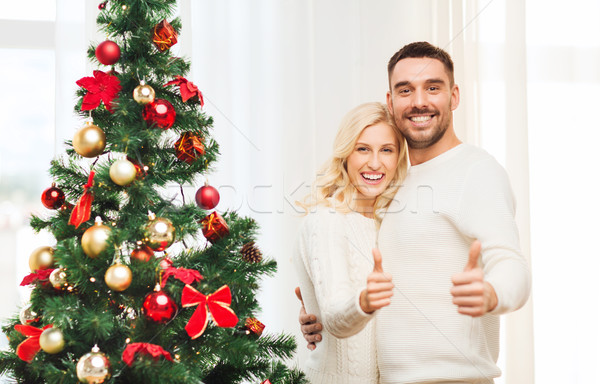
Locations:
(333, 258)
(443, 205)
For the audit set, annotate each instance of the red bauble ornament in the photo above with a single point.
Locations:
(140, 171)
(142, 253)
(207, 197)
(159, 307)
(165, 263)
(108, 52)
(160, 113)
(53, 198)
(101, 6)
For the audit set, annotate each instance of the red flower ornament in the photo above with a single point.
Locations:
(187, 276)
(153, 350)
(102, 87)
(39, 275)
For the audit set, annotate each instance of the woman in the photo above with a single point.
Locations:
(333, 251)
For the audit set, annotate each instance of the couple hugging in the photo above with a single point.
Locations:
(404, 270)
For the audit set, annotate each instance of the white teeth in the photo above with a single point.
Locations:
(372, 177)
(420, 119)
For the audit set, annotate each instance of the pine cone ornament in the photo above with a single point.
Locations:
(251, 253)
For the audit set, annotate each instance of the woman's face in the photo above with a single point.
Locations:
(373, 162)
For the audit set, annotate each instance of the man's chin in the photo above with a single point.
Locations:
(425, 140)
(412, 144)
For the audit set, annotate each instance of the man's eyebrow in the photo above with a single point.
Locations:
(401, 84)
(434, 81)
(404, 83)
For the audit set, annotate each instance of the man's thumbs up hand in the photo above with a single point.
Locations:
(379, 287)
(377, 260)
(471, 293)
(474, 252)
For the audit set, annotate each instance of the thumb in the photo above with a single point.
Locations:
(474, 252)
(377, 259)
(299, 294)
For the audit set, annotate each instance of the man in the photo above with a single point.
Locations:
(449, 240)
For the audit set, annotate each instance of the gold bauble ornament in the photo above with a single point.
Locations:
(143, 94)
(41, 258)
(122, 172)
(27, 315)
(58, 278)
(89, 141)
(118, 277)
(159, 233)
(94, 239)
(93, 367)
(52, 341)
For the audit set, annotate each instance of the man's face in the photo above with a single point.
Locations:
(421, 100)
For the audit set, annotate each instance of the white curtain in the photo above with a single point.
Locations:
(278, 75)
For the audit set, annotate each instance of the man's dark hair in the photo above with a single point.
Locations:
(422, 49)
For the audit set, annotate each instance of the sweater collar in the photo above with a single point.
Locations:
(449, 154)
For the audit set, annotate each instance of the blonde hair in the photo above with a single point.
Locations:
(332, 187)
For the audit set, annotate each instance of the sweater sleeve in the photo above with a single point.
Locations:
(487, 213)
(327, 264)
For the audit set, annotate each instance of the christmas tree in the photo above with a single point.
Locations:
(141, 287)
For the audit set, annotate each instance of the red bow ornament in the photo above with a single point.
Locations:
(83, 210)
(187, 89)
(30, 346)
(217, 303)
(153, 350)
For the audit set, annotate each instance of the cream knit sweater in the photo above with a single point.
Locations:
(444, 205)
(333, 258)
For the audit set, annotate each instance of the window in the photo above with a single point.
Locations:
(27, 108)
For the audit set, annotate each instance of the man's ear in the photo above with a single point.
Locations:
(455, 97)
(390, 105)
